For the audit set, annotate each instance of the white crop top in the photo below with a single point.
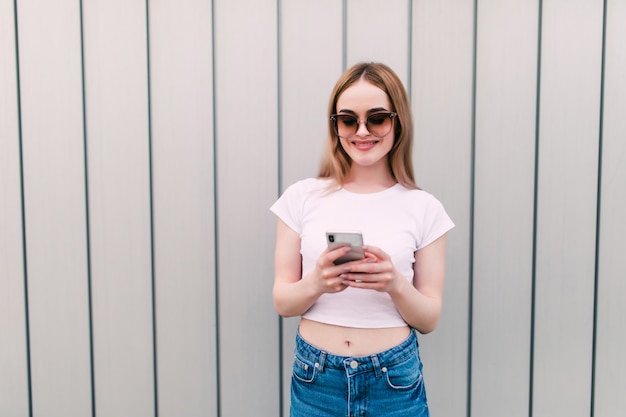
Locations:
(398, 220)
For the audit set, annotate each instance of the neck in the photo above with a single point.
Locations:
(361, 179)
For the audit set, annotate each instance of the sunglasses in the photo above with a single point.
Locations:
(377, 124)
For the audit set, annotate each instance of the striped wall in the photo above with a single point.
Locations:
(142, 143)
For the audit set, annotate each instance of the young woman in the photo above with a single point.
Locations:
(356, 348)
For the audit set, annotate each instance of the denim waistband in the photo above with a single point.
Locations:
(357, 364)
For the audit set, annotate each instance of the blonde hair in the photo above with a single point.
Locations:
(336, 162)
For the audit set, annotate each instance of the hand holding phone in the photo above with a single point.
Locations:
(352, 239)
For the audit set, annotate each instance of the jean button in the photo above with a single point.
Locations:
(354, 364)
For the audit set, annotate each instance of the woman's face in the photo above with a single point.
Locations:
(361, 100)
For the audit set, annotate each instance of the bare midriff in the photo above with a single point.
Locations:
(350, 341)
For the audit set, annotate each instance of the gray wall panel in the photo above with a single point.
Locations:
(379, 33)
(13, 365)
(566, 206)
(506, 94)
(198, 114)
(442, 106)
(54, 188)
(311, 63)
(184, 199)
(610, 383)
(247, 173)
(119, 206)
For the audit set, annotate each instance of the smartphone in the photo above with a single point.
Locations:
(353, 239)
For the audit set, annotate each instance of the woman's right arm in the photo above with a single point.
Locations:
(294, 294)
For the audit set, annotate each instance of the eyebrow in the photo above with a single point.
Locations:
(370, 111)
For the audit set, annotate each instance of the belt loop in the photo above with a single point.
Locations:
(376, 364)
(322, 359)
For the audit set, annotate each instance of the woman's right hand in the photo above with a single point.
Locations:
(293, 293)
(327, 276)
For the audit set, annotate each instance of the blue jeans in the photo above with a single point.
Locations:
(386, 384)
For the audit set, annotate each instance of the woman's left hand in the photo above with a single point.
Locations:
(375, 273)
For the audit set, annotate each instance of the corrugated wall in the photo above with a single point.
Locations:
(142, 142)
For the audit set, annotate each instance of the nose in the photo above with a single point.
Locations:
(362, 128)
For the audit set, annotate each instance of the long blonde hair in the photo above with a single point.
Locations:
(336, 162)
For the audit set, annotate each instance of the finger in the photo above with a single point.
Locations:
(337, 287)
(357, 277)
(332, 255)
(364, 267)
(361, 283)
(376, 252)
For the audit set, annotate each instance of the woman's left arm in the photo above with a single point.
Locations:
(419, 303)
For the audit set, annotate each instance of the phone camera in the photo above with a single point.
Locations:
(331, 238)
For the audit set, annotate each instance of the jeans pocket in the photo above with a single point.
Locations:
(303, 370)
(404, 375)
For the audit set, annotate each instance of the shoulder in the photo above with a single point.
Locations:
(416, 195)
(421, 203)
(309, 186)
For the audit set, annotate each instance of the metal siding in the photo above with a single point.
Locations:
(247, 174)
(376, 33)
(566, 206)
(14, 383)
(188, 122)
(506, 91)
(181, 69)
(55, 214)
(610, 383)
(118, 160)
(311, 64)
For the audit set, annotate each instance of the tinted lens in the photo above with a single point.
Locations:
(378, 124)
(345, 125)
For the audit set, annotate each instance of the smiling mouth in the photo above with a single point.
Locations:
(365, 143)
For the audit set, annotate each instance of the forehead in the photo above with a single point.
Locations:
(362, 96)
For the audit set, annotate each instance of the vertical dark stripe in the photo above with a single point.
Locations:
(598, 215)
(533, 296)
(470, 331)
(23, 199)
(218, 394)
(344, 35)
(279, 99)
(151, 193)
(279, 153)
(409, 78)
(87, 217)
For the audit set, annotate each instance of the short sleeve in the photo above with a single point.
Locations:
(436, 222)
(288, 207)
